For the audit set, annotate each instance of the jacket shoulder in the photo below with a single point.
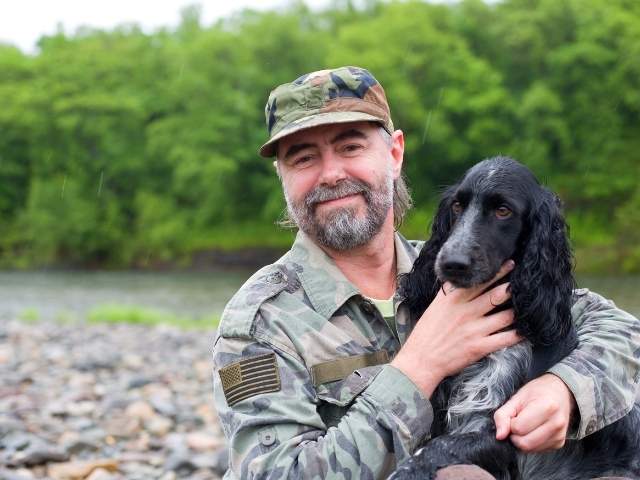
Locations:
(239, 315)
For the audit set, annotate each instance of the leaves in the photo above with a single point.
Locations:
(121, 147)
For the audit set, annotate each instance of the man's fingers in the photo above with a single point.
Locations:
(546, 437)
(494, 323)
(471, 293)
(530, 418)
(500, 340)
(504, 270)
(503, 417)
(448, 288)
(489, 300)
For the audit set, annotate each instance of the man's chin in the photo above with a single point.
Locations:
(342, 202)
(331, 214)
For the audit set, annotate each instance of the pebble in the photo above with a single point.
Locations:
(107, 402)
(140, 410)
(80, 470)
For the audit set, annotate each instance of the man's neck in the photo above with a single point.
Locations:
(371, 267)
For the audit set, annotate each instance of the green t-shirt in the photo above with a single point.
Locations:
(386, 309)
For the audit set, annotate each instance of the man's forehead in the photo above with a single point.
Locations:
(324, 132)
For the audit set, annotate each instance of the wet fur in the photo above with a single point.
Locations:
(541, 285)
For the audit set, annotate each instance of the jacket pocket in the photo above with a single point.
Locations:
(336, 395)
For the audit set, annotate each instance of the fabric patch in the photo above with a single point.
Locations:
(250, 377)
(343, 367)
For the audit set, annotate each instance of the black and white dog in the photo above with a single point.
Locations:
(500, 211)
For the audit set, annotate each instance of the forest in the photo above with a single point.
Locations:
(133, 149)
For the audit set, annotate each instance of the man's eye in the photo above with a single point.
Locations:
(352, 147)
(302, 161)
(456, 208)
(503, 212)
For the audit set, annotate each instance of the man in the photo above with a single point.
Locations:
(318, 371)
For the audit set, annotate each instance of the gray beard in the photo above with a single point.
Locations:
(342, 229)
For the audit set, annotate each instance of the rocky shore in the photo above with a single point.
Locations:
(107, 402)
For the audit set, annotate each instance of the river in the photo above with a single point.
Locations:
(71, 295)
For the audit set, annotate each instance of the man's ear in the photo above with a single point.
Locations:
(397, 152)
(277, 169)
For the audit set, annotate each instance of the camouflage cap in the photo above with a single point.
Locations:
(346, 94)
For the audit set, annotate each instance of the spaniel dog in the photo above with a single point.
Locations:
(499, 211)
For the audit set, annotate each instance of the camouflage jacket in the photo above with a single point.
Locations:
(303, 388)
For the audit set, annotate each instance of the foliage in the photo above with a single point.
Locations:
(121, 148)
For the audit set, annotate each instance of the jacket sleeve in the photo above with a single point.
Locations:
(280, 434)
(604, 370)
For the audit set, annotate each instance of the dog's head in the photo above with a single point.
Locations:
(487, 216)
(496, 212)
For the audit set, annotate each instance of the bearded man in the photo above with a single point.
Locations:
(318, 372)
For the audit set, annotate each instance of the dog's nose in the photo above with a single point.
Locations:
(456, 265)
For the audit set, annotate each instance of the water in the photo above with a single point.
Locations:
(623, 290)
(54, 295)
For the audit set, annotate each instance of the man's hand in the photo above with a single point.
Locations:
(537, 417)
(454, 332)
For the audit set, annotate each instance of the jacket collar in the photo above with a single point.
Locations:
(324, 283)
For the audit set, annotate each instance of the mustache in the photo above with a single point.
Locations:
(347, 187)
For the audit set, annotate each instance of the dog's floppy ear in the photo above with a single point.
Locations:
(542, 281)
(420, 286)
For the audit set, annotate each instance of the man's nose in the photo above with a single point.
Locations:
(332, 169)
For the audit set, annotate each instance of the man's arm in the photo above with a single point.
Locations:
(601, 375)
(280, 434)
(604, 371)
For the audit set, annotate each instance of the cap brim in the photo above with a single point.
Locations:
(268, 149)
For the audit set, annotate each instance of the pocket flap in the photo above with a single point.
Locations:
(342, 389)
(343, 367)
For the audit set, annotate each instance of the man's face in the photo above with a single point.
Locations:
(338, 181)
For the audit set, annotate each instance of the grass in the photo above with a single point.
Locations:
(136, 315)
(29, 315)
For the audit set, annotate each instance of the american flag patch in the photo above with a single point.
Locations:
(250, 377)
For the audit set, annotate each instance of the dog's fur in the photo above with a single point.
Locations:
(500, 211)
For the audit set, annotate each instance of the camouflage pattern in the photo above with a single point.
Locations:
(303, 310)
(603, 372)
(346, 94)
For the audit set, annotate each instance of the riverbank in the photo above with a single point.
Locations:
(107, 402)
(251, 245)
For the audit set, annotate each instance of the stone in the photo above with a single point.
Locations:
(57, 409)
(122, 427)
(181, 463)
(203, 441)
(79, 444)
(138, 381)
(17, 440)
(37, 453)
(9, 426)
(163, 406)
(108, 392)
(158, 425)
(80, 470)
(6, 354)
(21, 474)
(140, 410)
(101, 474)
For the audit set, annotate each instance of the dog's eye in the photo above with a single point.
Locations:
(456, 208)
(503, 212)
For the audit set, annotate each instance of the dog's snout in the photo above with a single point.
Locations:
(456, 265)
